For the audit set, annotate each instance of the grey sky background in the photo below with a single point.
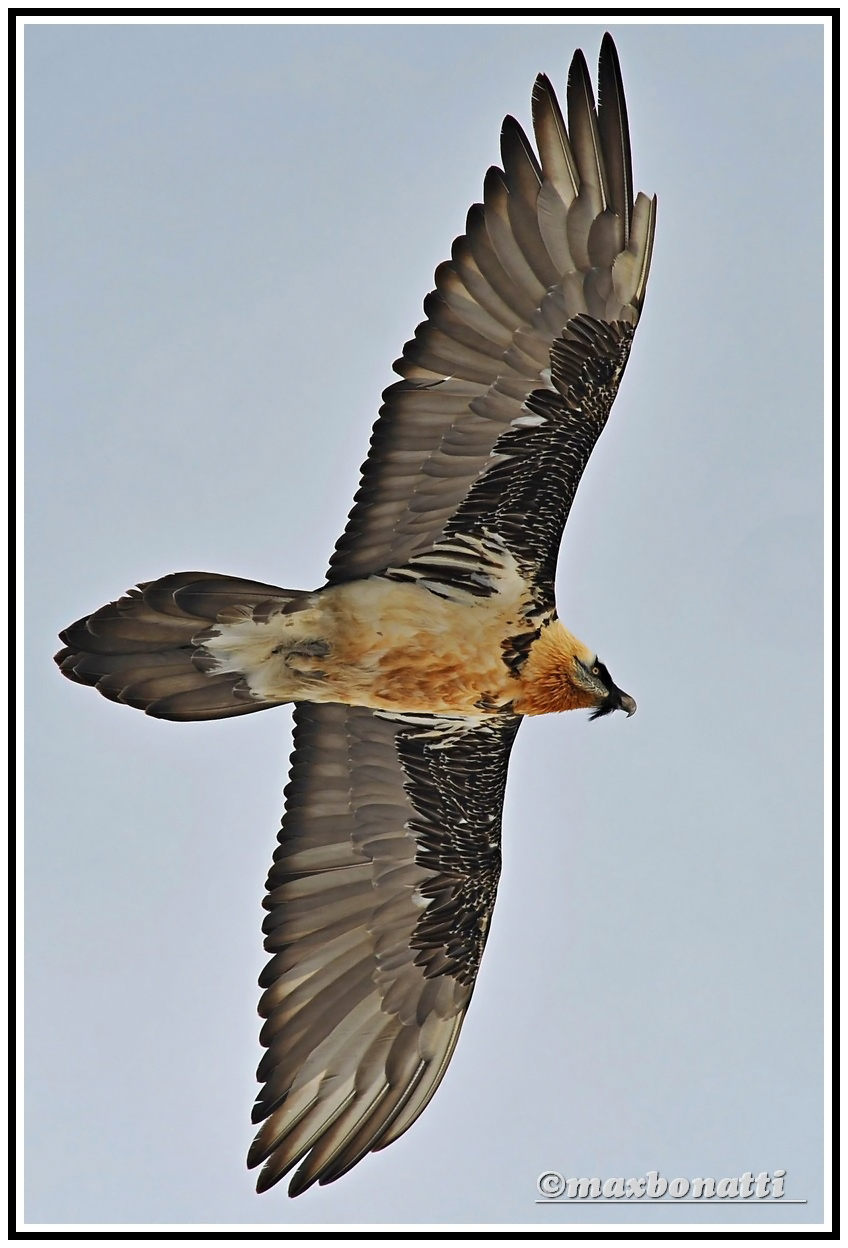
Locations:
(230, 233)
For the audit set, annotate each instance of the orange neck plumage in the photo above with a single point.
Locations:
(547, 682)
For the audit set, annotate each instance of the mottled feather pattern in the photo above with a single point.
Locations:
(536, 466)
(456, 784)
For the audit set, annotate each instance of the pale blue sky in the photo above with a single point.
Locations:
(230, 232)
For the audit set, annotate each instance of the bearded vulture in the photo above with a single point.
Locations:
(435, 633)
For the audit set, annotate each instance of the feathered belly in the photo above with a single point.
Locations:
(382, 644)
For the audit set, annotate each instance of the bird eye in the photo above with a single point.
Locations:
(596, 671)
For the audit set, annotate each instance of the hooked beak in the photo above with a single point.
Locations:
(616, 700)
(627, 704)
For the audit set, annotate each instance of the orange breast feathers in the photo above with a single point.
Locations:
(401, 647)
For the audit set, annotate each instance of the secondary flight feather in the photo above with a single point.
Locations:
(435, 633)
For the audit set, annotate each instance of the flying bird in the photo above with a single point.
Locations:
(435, 633)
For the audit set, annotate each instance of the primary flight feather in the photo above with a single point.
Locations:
(435, 633)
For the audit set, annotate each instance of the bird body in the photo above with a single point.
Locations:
(436, 632)
(383, 644)
(401, 646)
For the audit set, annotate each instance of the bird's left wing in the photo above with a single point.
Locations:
(509, 381)
(379, 902)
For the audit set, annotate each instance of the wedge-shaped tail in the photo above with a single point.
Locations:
(147, 649)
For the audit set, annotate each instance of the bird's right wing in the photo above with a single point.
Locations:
(509, 381)
(379, 902)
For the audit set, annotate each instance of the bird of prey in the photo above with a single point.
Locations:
(436, 632)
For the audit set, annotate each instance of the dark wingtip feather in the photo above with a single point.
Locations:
(615, 134)
(583, 127)
(515, 147)
(552, 138)
(273, 1170)
(301, 1184)
(579, 84)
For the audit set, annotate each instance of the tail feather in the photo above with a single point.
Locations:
(146, 650)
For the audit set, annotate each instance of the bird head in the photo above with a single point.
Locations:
(593, 676)
(563, 674)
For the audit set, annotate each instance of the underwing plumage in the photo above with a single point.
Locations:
(435, 632)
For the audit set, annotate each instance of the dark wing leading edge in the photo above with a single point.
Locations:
(550, 275)
(379, 904)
